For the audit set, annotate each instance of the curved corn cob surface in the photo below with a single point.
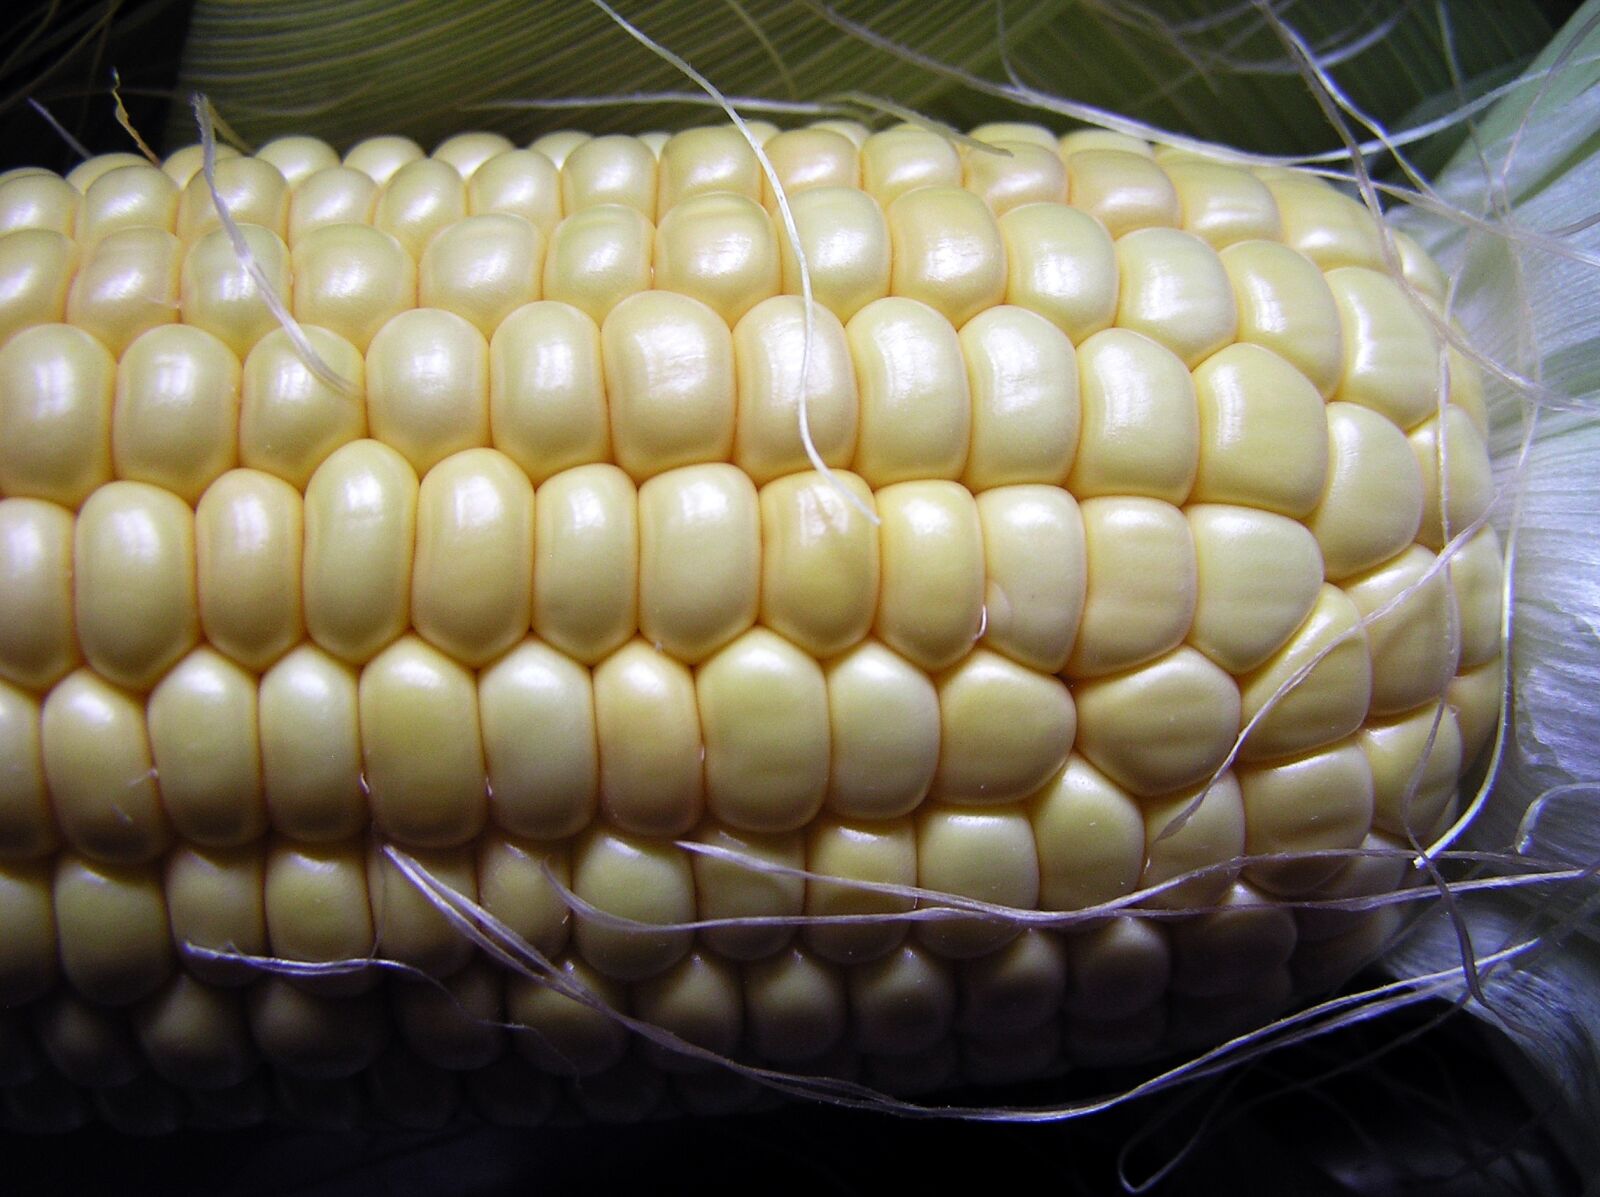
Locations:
(552, 585)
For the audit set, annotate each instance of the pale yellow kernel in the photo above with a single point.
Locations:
(1258, 576)
(642, 880)
(1371, 507)
(670, 380)
(761, 131)
(134, 583)
(36, 271)
(1477, 575)
(112, 923)
(560, 1035)
(876, 852)
(421, 746)
(586, 563)
(317, 908)
(1199, 831)
(311, 747)
(1019, 987)
(1457, 480)
(27, 826)
(428, 386)
(648, 727)
(1060, 263)
(902, 159)
(128, 197)
(1416, 762)
(1035, 571)
(176, 416)
(194, 1035)
(984, 854)
(482, 268)
(699, 1001)
(215, 900)
(547, 397)
(901, 1004)
(769, 344)
(884, 715)
(1477, 697)
(930, 602)
(1228, 952)
(719, 249)
(1415, 643)
(1381, 868)
(819, 561)
(537, 709)
(794, 1006)
(1140, 422)
(705, 160)
(469, 151)
(1330, 228)
(1122, 189)
(83, 175)
(317, 1044)
(854, 130)
(1313, 804)
(1140, 589)
(1391, 353)
(334, 195)
(1002, 132)
(947, 252)
(220, 295)
(457, 1027)
(610, 170)
(1168, 724)
(411, 929)
(764, 715)
(471, 586)
(56, 385)
(202, 724)
(699, 558)
(360, 522)
(28, 943)
(1325, 705)
(252, 191)
(1090, 838)
(1080, 140)
(351, 279)
(916, 410)
(522, 183)
(1032, 173)
(38, 200)
(290, 419)
(418, 201)
(804, 159)
(655, 141)
(1285, 305)
(1005, 730)
(1023, 378)
(557, 145)
(1419, 269)
(128, 283)
(513, 885)
(1263, 433)
(845, 239)
(38, 644)
(1223, 204)
(739, 887)
(380, 157)
(1118, 966)
(298, 157)
(1174, 290)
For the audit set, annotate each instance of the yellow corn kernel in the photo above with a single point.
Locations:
(56, 387)
(129, 283)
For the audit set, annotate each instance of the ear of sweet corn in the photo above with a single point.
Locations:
(1155, 456)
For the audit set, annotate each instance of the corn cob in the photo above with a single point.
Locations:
(1119, 444)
